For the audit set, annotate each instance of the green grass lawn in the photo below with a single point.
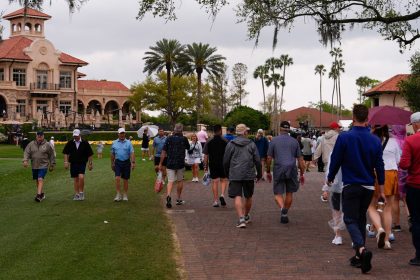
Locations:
(64, 239)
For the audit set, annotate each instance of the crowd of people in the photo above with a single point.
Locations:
(368, 170)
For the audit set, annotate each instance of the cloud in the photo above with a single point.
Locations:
(106, 34)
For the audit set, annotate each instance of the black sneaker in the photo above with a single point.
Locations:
(284, 219)
(355, 261)
(415, 261)
(42, 196)
(222, 201)
(241, 223)
(397, 228)
(168, 202)
(247, 219)
(38, 198)
(365, 259)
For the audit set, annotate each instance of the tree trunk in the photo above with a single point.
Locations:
(274, 118)
(169, 87)
(332, 101)
(339, 96)
(320, 99)
(264, 105)
(282, 91)
(199, 71)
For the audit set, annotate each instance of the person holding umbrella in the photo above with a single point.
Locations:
(145, 144)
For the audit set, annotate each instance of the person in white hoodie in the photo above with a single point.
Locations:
(325, 148)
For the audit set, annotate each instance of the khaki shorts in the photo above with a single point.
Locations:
(175, 175)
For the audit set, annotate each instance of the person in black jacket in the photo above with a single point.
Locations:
(78, 153)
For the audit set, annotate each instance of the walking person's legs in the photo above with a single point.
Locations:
(215, 190)
(355, 201)
(413, 198)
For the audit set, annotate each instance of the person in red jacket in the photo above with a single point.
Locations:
(410, 160)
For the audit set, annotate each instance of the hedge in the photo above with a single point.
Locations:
(94, 136)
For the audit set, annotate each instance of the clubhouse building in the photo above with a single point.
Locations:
(39, 82)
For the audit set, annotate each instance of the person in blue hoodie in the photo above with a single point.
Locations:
(359, 155)
(262, 145)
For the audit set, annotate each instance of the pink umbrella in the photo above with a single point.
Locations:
(382, 115)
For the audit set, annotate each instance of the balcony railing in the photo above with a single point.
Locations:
(44, 86)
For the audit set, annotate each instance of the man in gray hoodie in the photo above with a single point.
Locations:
(240, 162)
(324, 151)
(42, 157)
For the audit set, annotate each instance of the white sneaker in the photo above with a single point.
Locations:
(117, 197)
(387, 245)
(338, 240)
(125, 198)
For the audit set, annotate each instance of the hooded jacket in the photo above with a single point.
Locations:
(241, 159)
(326, 146)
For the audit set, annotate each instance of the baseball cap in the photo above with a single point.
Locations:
(121, 130)
(40, 133)
(241, 128)
(76, 132)
(52, 137)
(415, 118)
(285, 125)
(334, 125)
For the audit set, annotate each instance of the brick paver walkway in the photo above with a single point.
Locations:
(213, 248)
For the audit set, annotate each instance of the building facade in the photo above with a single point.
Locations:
(39, 82)
(388, 93)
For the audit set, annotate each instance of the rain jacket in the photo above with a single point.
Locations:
(41, 155)
(326, 146)
(241, 159)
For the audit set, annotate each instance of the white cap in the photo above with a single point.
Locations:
(260, 131)
(52, 137)
(121, 130)
(415, 118)
(76, 132)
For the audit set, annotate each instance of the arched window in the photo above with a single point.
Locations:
(28, 27)
(19, 27)
(38, 28)
(13, 27)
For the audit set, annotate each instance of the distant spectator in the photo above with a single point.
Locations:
(230, 134)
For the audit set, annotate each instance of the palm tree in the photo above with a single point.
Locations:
(261, 72)
(338, 66)
(340, 69)
(285, 62)
(333, 75)
(198, 58)
(165, 55)
(320, 70)
(273, 78)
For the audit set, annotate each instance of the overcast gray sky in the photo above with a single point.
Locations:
(106, 34)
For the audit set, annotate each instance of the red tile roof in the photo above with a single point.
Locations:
(66, 58)
(101, 85)
(13, 48)
(29, 12)
(312, 115)
(389, 86)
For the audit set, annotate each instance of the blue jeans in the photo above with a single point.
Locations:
(413, 203)
(355, 202)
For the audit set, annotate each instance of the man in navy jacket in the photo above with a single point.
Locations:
(359, 154)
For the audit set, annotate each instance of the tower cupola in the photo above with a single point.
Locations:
(29, 23)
